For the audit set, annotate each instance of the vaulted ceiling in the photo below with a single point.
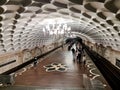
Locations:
(27, 23)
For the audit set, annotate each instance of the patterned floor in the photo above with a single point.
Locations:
(56, 67)
(58, 71)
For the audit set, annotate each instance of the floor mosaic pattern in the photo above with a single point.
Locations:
(56, 67)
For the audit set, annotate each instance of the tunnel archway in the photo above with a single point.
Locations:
(30, 29)
(27, 21)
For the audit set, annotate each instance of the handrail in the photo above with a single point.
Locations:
(28, 62)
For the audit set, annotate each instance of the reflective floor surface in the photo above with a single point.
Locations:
(76, 76)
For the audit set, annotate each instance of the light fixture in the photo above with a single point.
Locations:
(55, 26)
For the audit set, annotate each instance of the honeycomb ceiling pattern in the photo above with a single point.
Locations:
(20, 26)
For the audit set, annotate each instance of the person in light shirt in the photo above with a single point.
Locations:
(84, 59)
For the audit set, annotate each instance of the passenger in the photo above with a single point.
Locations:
(79, 55)
(84, 59)
(35, 62)
(69, 47)
(74, 46)
(74, 53)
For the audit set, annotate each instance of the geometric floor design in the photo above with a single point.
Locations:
(56, 67)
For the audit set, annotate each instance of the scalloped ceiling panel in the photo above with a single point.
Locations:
(24, 25)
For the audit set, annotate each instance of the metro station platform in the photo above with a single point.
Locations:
(58, 71)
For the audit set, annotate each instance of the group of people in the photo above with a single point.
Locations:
(78, 53)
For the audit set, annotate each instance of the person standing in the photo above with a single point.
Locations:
(69, 47)
(84, 59)
(35, 62)
(74, 54)
(79, 55)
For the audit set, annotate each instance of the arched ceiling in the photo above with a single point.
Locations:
(27, 23)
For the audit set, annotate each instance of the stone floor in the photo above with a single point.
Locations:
(75, 77)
